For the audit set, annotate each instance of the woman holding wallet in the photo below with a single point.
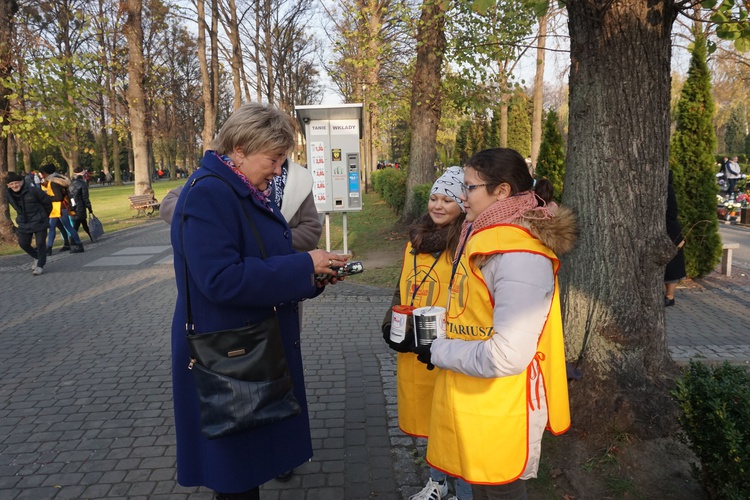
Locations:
(424, 282)
(218, 259)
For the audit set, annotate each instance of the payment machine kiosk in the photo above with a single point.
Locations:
(333, 134)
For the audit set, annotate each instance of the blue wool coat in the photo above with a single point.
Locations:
(230, 285)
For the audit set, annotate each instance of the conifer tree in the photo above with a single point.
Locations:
(519, 126)
(551, 160)
(692, 162)
(734, 137)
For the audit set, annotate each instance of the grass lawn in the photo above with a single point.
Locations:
(374, 236)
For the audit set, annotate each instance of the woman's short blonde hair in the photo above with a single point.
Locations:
(256, 128)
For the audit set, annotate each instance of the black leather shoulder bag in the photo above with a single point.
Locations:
(241, 375)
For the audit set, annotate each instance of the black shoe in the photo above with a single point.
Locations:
(283, 478)
(49, 250)
(65, 248)
(668, 302)
(77, 249)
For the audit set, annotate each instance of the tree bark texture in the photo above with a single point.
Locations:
(136, 96)
(8, 9)
(537, 115)
(426, 101)
(616, 181)
(209, 112)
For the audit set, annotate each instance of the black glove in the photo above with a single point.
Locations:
(424, 355)
(406, 345)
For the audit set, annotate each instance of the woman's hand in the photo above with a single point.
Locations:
(323, 261)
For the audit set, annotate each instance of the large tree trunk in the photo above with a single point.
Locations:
(7, 11)
(136, 96)
(426, 101)
(617, 160)
(538, 93)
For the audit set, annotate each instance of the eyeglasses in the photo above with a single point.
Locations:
(468, 188)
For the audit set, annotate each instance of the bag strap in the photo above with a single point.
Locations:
(189, 316)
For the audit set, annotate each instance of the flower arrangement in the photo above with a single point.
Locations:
(743, 199)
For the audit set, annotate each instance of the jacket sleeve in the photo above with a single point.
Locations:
(306, 226)
(44, 199)
(166, 209)
(522, 285)
(85, 194)
(58, 192)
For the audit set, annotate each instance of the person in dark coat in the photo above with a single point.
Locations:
(675, 270)
(231, 285)
(32, 207)
(79, 201)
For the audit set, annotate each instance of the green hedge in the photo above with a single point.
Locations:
(715, 404)
(391, 185)
(421, 197)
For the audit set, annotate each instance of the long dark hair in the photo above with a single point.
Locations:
(504, 165)
(423, 233)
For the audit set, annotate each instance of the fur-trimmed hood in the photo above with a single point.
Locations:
(58, 179)
(558, 233)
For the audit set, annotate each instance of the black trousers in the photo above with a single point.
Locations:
(253, 494)
(82, 222)
(40, 252)
(511, 491)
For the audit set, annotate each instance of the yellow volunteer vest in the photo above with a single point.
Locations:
(55, 213)
(479, 426)
(414, 381)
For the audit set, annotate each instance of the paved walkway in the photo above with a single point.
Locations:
(86, 412)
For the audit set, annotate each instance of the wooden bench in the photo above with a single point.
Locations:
(143, 202)
(726, 257)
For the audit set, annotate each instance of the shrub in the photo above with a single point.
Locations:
(375, 178)
(421, 197)
(715, 404)
(393, 188)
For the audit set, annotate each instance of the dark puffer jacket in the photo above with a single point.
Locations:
(79, 198)
(33, 207)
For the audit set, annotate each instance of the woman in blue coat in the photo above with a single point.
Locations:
(230, 286)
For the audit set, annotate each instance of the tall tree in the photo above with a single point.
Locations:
(8, 10)
(692, 162)
(519, 125)
(616, 171)
(136, 95)
(538, 92)
(551, 160)
(426, 100)
(488, 38)
(736, 129)
(209, 106)
(232, 30)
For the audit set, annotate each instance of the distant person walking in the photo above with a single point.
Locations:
(79, 201)
(675, 270)
(733, 174)
(56, 187)
(32, 207)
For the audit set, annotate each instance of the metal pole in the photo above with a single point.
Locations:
(328, 232)
(346, 244)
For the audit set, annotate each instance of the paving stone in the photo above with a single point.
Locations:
(98, 423)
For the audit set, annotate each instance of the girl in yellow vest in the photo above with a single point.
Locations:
(424, 282)
(503, 376)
